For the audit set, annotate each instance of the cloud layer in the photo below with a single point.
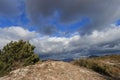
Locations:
(101, 12)
(97, 43)
(9, 8)
(50, 15)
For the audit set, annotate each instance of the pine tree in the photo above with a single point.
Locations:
(17, 54)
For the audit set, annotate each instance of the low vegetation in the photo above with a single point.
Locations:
(106, 65)
(15, 55)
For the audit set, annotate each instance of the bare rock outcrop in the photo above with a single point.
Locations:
(53, 70)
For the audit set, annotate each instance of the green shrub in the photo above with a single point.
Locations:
(15, 55)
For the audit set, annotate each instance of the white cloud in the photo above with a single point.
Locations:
(105, 41)
(99, 40)
(15, 33)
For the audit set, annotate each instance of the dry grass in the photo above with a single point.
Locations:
(105, 65)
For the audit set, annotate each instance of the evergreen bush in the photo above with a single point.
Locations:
(15, 55)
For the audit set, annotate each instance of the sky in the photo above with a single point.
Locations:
(62, 29)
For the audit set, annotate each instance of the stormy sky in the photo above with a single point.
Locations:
(62, 29)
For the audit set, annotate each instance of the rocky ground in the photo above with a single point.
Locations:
(53, 70)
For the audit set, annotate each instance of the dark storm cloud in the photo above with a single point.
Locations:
(101, 12)
(9, 8)
(48, 30)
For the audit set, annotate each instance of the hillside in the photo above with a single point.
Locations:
(105, 65)
(53, 70)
